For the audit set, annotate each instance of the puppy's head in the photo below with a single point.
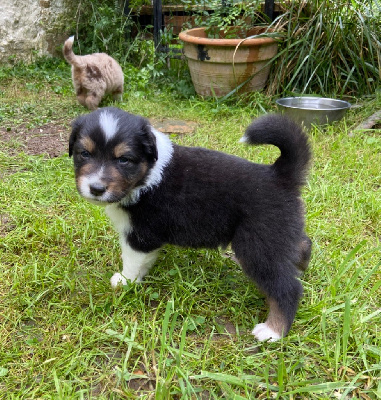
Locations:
(113, 153)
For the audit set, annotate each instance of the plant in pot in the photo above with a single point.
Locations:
(227, 53)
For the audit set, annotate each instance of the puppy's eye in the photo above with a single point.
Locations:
(85, 154)
(123, 160)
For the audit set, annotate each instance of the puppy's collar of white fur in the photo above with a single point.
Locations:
(164, 155)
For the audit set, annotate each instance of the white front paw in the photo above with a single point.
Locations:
(263, 332)
(118, 279)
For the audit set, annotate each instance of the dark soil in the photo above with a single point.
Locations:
(50, 140)
(6, 225)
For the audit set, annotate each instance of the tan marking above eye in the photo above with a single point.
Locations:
(121, 149)
(87, 144)
(87, 169)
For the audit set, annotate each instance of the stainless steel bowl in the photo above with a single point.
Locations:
(313, 110)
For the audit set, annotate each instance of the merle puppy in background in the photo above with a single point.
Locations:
(158, 193)
(94, 76)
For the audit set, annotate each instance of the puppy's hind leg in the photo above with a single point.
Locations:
(283, 294)
(277, 280)
(81, 96)
(278, 322)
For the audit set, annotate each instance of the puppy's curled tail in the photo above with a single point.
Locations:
(68, 53)
(288, 136)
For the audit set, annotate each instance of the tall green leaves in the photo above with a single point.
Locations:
(330, 48)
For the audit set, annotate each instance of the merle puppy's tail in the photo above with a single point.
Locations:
(288, 136)
(68, 53)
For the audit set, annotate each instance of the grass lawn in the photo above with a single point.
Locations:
(185, 332)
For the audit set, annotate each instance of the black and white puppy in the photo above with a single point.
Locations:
(156, 193)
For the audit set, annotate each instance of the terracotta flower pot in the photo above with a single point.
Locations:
(218, 66)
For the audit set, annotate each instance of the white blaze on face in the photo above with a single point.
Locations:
(109, 124)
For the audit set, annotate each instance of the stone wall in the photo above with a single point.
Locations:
(34, 27)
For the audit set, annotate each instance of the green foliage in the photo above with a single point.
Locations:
(102, 27)
(226, 14)
(46, 70)
(329, 47)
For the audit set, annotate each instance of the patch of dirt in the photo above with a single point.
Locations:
(50, 140)
(141, 382)
(174, 126)
(6, 224)
(226, 326)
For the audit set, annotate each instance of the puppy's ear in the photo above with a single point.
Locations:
(75, 128)
(149, 143)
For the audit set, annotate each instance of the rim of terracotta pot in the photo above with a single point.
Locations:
(197, 36)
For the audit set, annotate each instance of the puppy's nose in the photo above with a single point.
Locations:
(97, 189)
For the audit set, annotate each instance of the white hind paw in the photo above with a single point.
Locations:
(263, 332)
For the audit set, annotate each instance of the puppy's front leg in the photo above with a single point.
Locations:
(136, 264)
